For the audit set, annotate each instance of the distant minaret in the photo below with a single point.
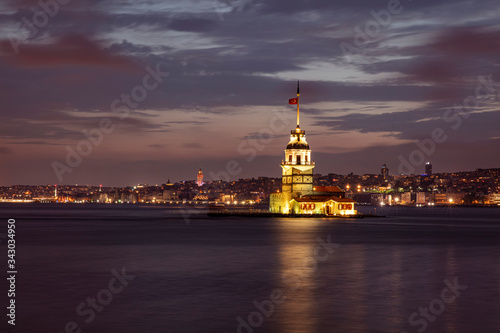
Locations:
(199, 178)
(55, 191)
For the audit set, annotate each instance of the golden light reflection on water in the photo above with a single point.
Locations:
(306, 282)
(297, 240)
(358, 287)
(398, 317)
(451, 311)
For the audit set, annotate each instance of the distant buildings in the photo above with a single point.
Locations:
(494, 199)
(311, 192)
(478, 187)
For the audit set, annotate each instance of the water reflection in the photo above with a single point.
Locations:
(451, 312)
(352, 273)
(398, 317)
(297, 239)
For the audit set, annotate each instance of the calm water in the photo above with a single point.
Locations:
(199, 274)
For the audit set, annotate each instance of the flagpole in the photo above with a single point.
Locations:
(298, 94)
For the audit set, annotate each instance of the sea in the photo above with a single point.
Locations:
(159, 268)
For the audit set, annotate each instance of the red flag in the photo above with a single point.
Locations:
(293, 101)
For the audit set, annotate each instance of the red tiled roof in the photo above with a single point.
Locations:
(327, 189)
(312, 198)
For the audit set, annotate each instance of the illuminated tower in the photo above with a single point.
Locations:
(297, 167)
(199, 178)
(55, 191)
(428, 168)
(384, 172)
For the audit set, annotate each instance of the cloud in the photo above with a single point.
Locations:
(458, 53)
(191, 24)
(5, 151)
(157, 145)
(466, 41)
(71, 50)
(418, 124)
(20, 4)
(195, 145)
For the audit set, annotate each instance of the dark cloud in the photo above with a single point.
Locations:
(126, 47)
(195, 145)
(418, 124)
(157, 145)
(5, 151)
(192, 24)
(18, 129)
(466, 41)
(457, 53)
(71, 50)
(34, 142)
(35, 4)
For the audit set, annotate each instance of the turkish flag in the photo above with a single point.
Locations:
(293, 101)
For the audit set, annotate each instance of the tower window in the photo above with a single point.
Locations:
(289, 158)
(298, 159)
(307, 159)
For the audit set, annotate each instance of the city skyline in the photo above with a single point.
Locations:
(480, 187)
(196, 178)
(152, 91)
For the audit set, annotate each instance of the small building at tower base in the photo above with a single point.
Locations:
(320, 204)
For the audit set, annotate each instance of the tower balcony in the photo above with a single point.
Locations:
(293, 163)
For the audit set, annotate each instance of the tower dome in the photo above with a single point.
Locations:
(297, 139)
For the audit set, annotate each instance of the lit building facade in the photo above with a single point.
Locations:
(384, 172)
(199, 178)
(298, 195)
(428, 168)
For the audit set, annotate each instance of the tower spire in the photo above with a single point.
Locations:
(298, 115)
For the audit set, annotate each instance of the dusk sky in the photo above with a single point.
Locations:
(376, 77)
